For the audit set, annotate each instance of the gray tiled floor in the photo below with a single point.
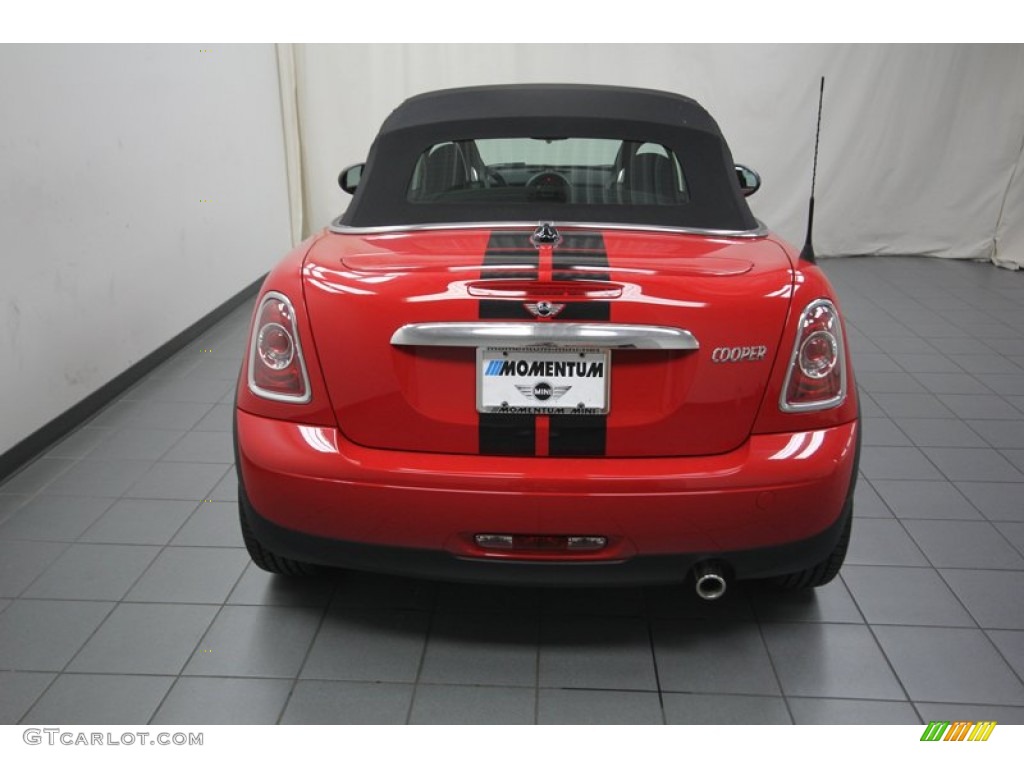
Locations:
(126, 595)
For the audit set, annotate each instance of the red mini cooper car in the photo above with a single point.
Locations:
(548, 343)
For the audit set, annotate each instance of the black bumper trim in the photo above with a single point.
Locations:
(443, 566)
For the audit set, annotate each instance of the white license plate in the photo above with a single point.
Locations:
(564, 381)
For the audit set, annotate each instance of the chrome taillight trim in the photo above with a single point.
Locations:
(254, 335)
(817, 405)
(573, 335)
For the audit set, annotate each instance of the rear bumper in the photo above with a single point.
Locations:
(775, 505)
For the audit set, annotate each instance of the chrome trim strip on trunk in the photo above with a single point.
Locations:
(598, 335)
(343, 229)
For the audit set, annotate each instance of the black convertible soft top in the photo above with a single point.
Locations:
(586, 102)
(506, 111)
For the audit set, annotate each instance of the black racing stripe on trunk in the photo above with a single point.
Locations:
(571, 258)
(580, 435)
(504, 250)
(503, 434)
(497, 309)
(577, 435)
(507, 434)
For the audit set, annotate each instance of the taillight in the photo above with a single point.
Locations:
(277, 370)
(816, 378)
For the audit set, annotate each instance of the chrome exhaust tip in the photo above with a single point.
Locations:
(709, 581)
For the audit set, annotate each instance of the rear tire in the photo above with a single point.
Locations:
(822, 573)
(265, 558)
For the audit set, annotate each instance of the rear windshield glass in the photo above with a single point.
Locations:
(551, 170)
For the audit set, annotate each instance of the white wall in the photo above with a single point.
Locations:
(918, 143)
(106, 250)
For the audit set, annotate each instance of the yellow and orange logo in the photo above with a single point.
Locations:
(961, 730)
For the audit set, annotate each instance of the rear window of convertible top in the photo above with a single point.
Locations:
(559, 170)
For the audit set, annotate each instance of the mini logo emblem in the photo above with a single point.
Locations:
(544, 308)
(545, 234)
(542, 391)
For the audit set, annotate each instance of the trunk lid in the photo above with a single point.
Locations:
(732, 295)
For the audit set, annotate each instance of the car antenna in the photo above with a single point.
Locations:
(807, 254)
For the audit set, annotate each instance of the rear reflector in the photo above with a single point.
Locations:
(534, 543)
(493, 541)
(587, 542)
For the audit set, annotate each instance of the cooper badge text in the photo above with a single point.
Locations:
(738, 354)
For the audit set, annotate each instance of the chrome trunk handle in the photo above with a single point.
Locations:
(599, 335)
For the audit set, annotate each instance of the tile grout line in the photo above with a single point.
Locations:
(198, 644)
(649, 622)
(984, 630)
(435, 597)
(312, 641)
(881, 648)
(57, 674)
(29, 497)
(775, 671)
(999, 652)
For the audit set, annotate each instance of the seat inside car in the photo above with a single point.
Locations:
(651, 175)
(446, 168)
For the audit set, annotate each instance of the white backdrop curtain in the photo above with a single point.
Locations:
(921, 145)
